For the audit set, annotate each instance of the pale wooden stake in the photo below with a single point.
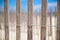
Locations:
(50, 28)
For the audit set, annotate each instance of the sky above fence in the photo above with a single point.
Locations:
(52, 4)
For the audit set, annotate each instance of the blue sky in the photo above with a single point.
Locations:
(24, 5)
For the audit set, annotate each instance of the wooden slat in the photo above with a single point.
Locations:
(43, 20)
(0, 27)
(50, 34)
(58, 21)
(30, 14)
(50, 27)
(6, 20)
(17, 19)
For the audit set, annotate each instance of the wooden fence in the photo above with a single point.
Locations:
(30, 21)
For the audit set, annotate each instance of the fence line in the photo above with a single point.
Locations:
(29, 25)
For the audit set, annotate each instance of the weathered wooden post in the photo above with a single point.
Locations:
(6, 24)
(17, 19)
(58, 22)
(43, 20)
(30, 14)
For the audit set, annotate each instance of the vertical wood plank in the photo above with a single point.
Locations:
(58, 21)
(30, 14)
(50, 23)
(17, 19)
(6, 20)
(0, 27)
(50, 27)
(43, 20)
